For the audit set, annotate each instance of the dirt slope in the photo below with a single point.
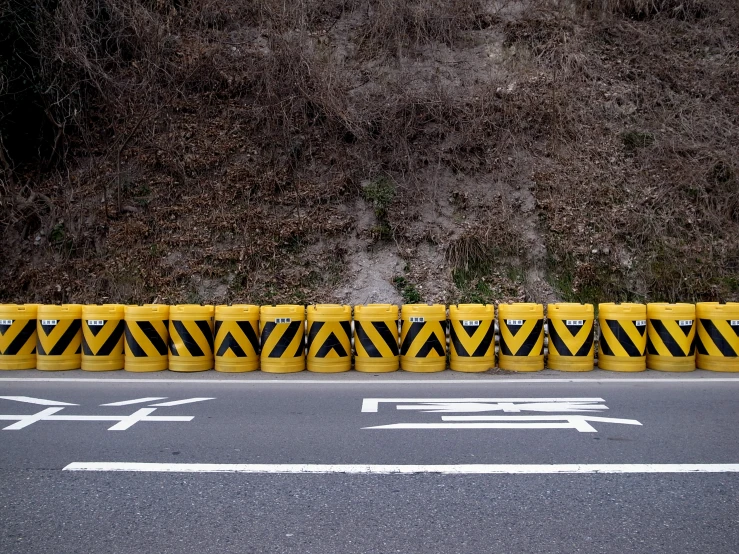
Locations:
(369, 151)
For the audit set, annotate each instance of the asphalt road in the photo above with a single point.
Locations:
(249, 426)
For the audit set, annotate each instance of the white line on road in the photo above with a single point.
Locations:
(21, 422)
(461, 469)
(40, 401)
(363, 382)
(136, 401)
(372, 404)
(180, 402)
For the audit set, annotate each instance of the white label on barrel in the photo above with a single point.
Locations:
(514, 321)
(6, 322)
(734, 322)
(574, 322)
(95, 322)
(49, 321)
(640, 322)
(416, 319)
(283, 320)
(471, 323)
(685, 322)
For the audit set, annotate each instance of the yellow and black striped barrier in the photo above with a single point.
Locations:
(102, 337)
(282, 338)
(521, 337)
(146, 336)
(671, 337)
(623, 337)
(571, 329)
(236, 346)
(18, 336)
(59, 344)
(329, 338)
(423, 338)
(190, 337)
(717, 341)
(471, 337)
(376, 338)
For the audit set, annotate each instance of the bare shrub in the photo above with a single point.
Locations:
(642, 9)
(393, 26)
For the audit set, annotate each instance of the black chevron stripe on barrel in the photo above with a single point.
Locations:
(21, 339)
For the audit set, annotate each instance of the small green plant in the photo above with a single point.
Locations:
(380, 193)
(58, 234)
(636, 139)
(408, 290)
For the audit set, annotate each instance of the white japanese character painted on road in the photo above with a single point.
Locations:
(123, 422)
(565, 406)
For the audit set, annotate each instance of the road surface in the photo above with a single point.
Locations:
(361, 463)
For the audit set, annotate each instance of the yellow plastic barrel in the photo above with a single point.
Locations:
(571, 345)
(146, 337)
(423, 338)
(376, 338)
(623, 337)
(521, 337)
(329, 338)
(671, 337)
(18, 336)
(717, 341)
(102, 337)
(282, 338)
(59, 330)
(471, 337)
(190, 337)
(236, 334)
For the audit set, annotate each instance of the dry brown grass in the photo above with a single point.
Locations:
(224, 139)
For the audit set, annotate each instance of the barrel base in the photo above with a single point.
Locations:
(108, 367)
(370, 365)
(416, 365)
(90, 363)
(717, 363)
(668, 363)
(329, 366)
(570, 364)
(189, 367)
(50, 364)
(467, 365)
(229, 366)
(521, 363)
(283, 367)
(148, 366)
(17, 362)
(627, 365)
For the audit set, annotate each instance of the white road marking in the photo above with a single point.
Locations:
(40, 401)
(495, 381)
(457, 407)
(461, 469)
(362, 382)
(180, 402)
(124, 421)
(22, 421)
(578, 422)
(372, 404)
(135, 401)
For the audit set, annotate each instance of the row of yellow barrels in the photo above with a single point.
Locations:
(230, 338)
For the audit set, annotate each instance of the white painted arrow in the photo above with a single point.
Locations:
(40, 401)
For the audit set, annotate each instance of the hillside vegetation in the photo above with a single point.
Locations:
(369, 150)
